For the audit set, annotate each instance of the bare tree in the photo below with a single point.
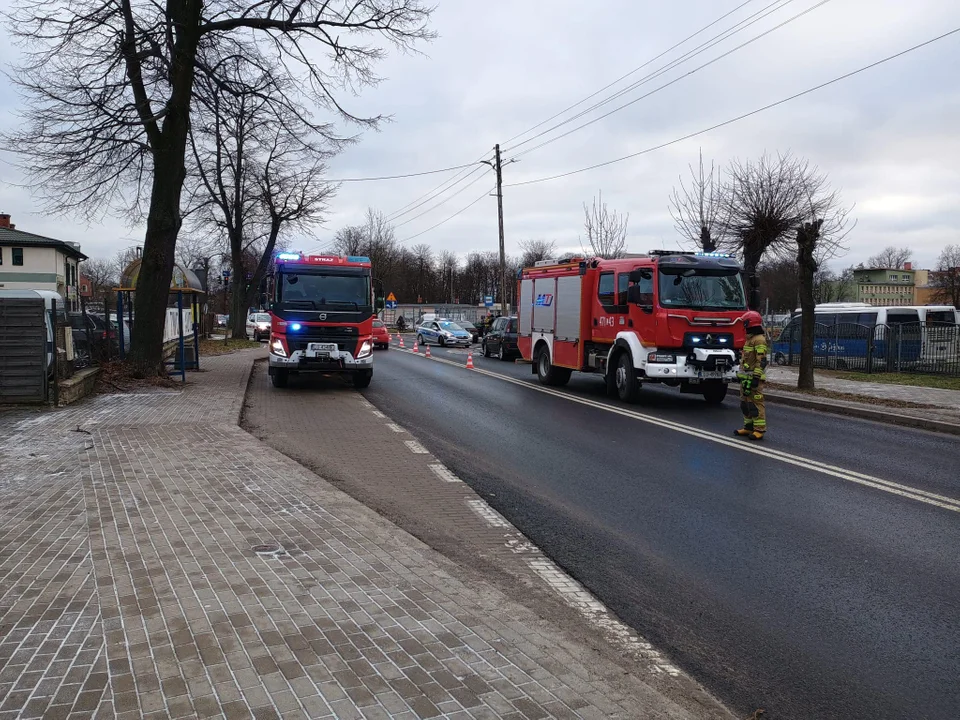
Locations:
(606, 230)
(109, 92)
(763, 208)
(891, 258)
(825, 223)
(102, 276)
(536, 250)
(946, 278)
(697, 209)
(256, 171)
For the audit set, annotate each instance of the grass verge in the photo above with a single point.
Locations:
(931, 381)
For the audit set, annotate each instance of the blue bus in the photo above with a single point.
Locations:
(857, 336)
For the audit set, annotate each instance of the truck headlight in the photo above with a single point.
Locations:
(366, 347)
(276, 347)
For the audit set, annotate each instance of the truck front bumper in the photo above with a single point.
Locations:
(338, 361)
(701, 364)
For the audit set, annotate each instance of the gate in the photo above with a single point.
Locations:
(23, 341)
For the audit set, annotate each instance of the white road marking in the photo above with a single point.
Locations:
(396, 428)
(941, 501)
(379, 414)
(488, 514)
(366, 403)
(443, 472)
(416, 447)
(577, 597)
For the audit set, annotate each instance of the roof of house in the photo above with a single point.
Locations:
(19, 238)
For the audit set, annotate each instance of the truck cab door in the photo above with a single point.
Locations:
(610, 306)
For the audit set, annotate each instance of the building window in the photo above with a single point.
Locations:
(17, 254)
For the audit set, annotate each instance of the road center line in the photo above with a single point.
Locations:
(941, 501)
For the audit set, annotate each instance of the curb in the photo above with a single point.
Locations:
(866, 413)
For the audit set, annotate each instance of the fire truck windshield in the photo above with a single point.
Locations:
(324, 291)
(689, 288)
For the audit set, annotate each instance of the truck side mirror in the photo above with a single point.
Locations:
(640, 274)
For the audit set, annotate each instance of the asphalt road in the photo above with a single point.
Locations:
(815, 575)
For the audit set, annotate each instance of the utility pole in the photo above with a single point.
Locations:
(503, 256)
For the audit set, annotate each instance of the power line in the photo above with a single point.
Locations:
(400, 177)
(462, 210)
(675, 80)
(635, 70)
(447, 199)
(745, 115)
(430, 194)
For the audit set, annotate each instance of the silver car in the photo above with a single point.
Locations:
(444, 333)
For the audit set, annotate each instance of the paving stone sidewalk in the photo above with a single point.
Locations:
(944, 404)
(129, 586)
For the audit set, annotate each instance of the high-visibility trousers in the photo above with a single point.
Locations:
(753, 406)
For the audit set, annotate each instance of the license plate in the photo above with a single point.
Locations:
(321, 350)
(710, 375)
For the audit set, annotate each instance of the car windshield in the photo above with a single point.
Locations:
(689, 289)
(450, 326)
(377, 324)
(512, 325)
(467, 326)
(319, 291)
(261, 317)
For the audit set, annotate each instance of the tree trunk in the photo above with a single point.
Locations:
(169, 149)
(156, 269)
(706, 241)
(807, 237)
(751, 259)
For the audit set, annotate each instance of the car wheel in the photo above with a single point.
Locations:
(500, 354)
(547, 373)
(443, 341)
(420, 339)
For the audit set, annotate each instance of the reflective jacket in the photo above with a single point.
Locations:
(754, 358)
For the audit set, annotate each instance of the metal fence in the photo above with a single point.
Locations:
(904, 348)
(412, 313)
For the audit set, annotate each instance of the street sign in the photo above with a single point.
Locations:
(391, 301)
(488, 300)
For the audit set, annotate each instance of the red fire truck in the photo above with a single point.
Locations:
(322, 317)
(669, 317)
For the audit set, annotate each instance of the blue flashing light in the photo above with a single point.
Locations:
(695, 339)
(713, 254)
(288, 256)
(295, 326)
(357, 258)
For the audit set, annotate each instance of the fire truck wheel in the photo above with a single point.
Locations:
(628, 389)
(280, 378)
(550, 374)
(362, 378)
(714, 392)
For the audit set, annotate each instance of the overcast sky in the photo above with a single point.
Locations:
(887, 138)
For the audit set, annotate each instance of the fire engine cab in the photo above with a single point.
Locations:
(668, 317)
(322, 317)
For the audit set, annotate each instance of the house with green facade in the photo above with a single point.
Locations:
(886, 286)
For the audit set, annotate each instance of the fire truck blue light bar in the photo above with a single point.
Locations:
(288, 256)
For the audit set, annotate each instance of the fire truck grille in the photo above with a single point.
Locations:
(345, 337)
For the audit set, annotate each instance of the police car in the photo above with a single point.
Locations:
(443, 332)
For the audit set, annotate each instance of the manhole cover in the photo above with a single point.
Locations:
(268, 549)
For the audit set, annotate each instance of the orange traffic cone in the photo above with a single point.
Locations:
(428, 351)
(401, 341)
(469, 361)
(415, 349)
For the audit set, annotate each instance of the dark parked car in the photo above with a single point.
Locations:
(501, 340)
(470, 328)
(94, 338)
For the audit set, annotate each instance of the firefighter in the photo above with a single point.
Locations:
(753, 363)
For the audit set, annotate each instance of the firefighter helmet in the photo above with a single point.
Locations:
(752, 318)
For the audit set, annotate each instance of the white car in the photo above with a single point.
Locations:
(258, 326)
